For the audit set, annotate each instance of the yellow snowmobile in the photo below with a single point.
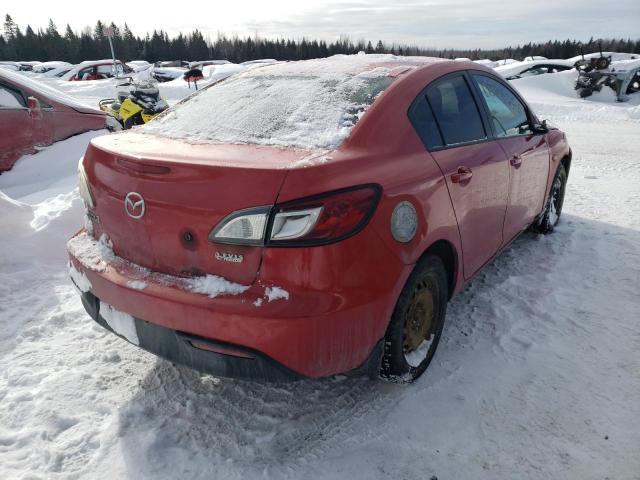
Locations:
(136, 106)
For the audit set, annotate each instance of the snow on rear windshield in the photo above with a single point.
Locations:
(310, 104)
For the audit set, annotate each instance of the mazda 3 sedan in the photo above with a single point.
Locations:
(311, 218)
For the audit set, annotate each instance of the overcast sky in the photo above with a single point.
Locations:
(435, 23)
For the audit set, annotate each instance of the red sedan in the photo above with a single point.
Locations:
(311, 218)
(34, 115)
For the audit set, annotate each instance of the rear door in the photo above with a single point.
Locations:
(448, 119)
(527, 151)
(17, 128)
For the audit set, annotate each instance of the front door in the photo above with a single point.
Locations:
(528, 154)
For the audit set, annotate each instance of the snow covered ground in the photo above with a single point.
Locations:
(537, 375)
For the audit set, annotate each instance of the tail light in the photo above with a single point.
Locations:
(244, 227)
(316, 220)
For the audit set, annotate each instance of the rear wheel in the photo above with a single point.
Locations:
(551, 215)
(584, 92)
(416, 323)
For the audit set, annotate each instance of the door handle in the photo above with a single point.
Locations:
(463, 174)
(516, 161)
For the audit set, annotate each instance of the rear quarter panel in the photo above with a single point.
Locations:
(385, 149)
(558, 149)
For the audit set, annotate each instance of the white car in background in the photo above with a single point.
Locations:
(615, 56)
(532, 68)
(139, 65)
(11, 66)
(54, 73)
(45, 67)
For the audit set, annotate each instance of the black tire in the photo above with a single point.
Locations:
(553, 207)
(402, 360)
(584, 92)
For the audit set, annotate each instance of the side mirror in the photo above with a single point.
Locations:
(35, 111)
(541, 127)
(33, 103)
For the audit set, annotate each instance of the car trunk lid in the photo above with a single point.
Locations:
(187, 190)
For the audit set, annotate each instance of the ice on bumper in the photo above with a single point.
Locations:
(121, 323)
(96, 255)
(212, 286)
(79, 279)
(274, 293)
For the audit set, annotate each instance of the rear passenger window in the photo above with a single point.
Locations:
(507, 113)
(455, 111)
(425, 124)
(10, 98)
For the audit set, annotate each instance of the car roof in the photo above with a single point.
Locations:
(352, 64)
(518, 67)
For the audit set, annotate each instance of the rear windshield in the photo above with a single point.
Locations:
(311, 104)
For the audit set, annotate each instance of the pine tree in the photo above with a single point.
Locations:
(71, 45)
(11, 32)
(129, 44)
(10, 28)
(53, 40)
(31, 47)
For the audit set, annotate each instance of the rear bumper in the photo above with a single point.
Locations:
(327, 325)
(197, 352)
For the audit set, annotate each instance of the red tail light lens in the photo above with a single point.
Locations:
(323, 218)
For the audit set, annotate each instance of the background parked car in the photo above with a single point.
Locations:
(168, 70)
(55, 73)
(48, 66)
(11, 66)
(34, 115)
(97, 70)
(530, 68)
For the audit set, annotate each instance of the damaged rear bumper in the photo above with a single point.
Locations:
(195, 352)
(261, 330)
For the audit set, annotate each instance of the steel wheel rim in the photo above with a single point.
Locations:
(420, 319)
(554, 207)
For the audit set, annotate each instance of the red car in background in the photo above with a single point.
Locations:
(312, 218)
(34, 115)
(97, 70)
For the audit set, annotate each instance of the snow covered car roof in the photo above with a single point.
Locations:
(624, 65)
(615, 56)
(47, 92)
(310, 104)
(54, 72)
(47, 66)
(513, 70)
(10, 66)
(487, 63)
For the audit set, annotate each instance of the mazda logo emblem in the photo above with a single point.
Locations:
(134, 205)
